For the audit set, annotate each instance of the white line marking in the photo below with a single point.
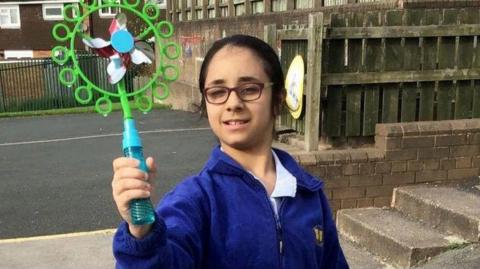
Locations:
(56, 236)
(98, 136)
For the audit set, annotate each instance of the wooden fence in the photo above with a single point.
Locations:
(387, 66)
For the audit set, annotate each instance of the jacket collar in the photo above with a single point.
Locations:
(221, 163)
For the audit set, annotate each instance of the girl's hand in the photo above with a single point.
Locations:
(129, 182)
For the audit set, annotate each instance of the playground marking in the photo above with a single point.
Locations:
(57, 236)
(99, 136)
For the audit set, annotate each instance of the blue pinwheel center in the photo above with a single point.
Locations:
(122, 41)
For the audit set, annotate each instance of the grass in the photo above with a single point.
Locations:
(72, 110)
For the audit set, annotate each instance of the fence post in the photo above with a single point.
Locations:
(314, 69)
(270, 37)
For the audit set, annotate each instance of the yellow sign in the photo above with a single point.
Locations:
(294, 86)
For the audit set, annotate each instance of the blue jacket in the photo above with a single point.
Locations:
(223, 218)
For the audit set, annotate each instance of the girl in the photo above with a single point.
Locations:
(251, 206)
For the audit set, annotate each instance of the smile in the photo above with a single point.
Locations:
(235, 122)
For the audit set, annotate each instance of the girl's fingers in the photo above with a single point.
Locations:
(130, 172)
(121, 162)
(130, 184)
(125, 197)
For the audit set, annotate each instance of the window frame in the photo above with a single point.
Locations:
(52, 17)
(109, 14)
(11, 25)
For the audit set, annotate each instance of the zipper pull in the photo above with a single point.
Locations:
(281, 246)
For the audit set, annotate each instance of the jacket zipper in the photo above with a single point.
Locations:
(278, 224)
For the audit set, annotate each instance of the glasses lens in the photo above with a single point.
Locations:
(249, 92)
(216, 95)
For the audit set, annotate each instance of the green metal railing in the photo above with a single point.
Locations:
(33, 84)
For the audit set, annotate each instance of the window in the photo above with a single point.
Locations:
(335, 2)
(224, 12)
(239, 9)
(257, 7)
(109, 12)
(10, 17)
(189, 15)
(199, 14)
(52, 12)
(199, 2)
(162, 4)
(211, 13)
(301, 4)
(279, 5)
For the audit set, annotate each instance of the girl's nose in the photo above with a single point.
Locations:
(234, 102)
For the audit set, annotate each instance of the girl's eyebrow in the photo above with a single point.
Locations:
(239, 80)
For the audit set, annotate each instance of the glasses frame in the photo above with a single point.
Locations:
(236, 90)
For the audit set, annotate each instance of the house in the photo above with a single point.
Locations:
(25, 26)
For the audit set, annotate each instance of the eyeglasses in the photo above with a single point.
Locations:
(218, 95)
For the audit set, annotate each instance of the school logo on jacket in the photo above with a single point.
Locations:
(318, 231)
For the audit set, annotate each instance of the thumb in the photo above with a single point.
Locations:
(152, 168)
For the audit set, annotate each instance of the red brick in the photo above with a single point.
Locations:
(383, 167)
(430, 176)
(450, 140)
(462, 173)
(378, 191)
(473, 125)
(418, 142)
(463, 162)
(350, 169)
(316, 170)
(415, 165)
(399, 166)
(389, 129)
(401, 155)
(382, 201)
(350, 192)
(458, 126)
(365, 180)
(427, 128)
(399, 178)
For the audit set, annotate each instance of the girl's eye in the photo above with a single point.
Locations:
(216, 93)
(250, 90)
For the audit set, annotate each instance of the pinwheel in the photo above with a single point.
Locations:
(122, 49)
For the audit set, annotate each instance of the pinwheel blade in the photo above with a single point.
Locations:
(115, 69)
(146, 49)
(96, 43)
(118, 23)
(138, 57)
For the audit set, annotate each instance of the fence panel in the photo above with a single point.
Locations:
(33, 84)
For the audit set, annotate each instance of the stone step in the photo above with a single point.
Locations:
(359, 258)
(386, 233)
(447, 209)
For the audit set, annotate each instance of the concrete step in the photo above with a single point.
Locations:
(447, 209)
(359, 258)
(386, 233)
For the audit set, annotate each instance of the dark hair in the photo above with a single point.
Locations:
(270, 61)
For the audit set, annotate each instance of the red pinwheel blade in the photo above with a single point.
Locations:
(120, 22)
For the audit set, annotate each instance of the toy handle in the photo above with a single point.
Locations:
(141, 210)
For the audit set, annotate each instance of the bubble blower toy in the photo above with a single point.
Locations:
(123, 49)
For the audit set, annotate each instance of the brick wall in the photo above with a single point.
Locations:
(403, 154)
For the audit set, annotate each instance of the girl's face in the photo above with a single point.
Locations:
(238, 124)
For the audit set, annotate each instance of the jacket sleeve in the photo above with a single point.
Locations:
(175, 240)
(333, 257)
